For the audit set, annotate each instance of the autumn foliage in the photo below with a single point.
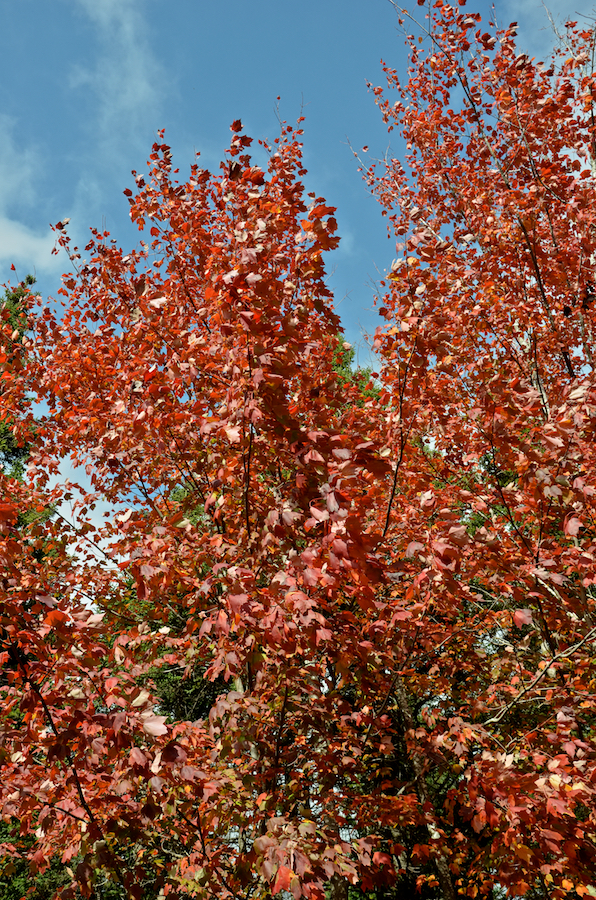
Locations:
(392, 590)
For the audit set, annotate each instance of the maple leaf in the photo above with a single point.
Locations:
(154, 725)
(282, 880)
(522, 617)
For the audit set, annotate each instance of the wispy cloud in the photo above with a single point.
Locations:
(21, 245)
(535, 20)
(125, 77)
(124, 87)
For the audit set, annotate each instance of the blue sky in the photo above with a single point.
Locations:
(86, 84)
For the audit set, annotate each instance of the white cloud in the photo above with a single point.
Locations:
(21, 245)
(17, 167)
(123, 86)
(535, 32)
(125, 77)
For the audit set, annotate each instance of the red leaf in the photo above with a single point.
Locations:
(154, 725)
(264, 843)
(137, 757)
(522, 617)
(316, 570)
(572, 526)
(56, 618)
(237, 601)
(282, 880)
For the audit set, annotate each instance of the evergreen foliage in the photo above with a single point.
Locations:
(12, 454)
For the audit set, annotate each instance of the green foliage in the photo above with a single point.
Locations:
(16, 878)
(13, 454)
(185, 698)
(350, 377)
(13, 302)
(185, 496)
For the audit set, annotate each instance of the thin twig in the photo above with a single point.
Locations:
(569, 651)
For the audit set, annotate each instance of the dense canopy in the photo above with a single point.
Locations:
(336, 635)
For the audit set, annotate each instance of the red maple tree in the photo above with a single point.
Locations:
(392, 589)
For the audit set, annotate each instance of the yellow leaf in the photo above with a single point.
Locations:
(524, 853)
